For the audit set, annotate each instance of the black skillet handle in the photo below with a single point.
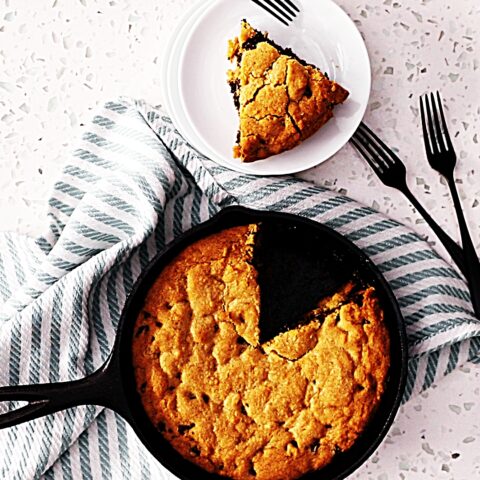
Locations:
(102, 387)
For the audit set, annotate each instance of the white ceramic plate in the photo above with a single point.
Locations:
(169, 83)
(199, 98)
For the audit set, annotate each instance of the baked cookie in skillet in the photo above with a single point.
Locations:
(243, 405)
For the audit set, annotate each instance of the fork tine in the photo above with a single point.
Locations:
(277, 5)
(385, 154)
(275, 10)
(424, 124)
(377, 154)
(441, 144)
(361, 147)
(368, 146)
(392, 157)
(270, 11)
(444, 123)
(431, 135)
(293, 5)
(287, 8)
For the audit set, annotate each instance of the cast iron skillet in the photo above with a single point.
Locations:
(113, 385)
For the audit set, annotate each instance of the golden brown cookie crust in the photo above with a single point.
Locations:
(281, 100)
(244, 410)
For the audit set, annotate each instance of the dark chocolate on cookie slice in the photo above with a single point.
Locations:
(281, 99)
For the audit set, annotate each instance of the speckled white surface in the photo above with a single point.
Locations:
(59, 59)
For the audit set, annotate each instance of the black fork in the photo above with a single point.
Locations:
(283, 10)
(392, 172)
(442, 158)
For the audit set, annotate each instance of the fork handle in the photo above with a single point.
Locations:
(450, 245)
(472, 263)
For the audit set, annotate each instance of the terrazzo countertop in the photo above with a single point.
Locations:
(60, 59)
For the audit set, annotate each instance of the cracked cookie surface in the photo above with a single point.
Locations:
(240, 408)
(281, 99)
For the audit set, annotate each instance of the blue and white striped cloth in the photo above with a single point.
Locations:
(130, 188)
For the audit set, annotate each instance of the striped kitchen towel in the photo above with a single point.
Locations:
(131, 187)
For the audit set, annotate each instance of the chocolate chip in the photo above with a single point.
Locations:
(252, 42)
(234, 86)
(252, 471)
(358, 299)
(241, 341)
(337, 449)
(142, 329)
(242, 410)
(294, 443)
(236, 101)
(327, 426)
(359, 388)
(185, 428)
(159, 324)
(216, 328)
(308, 92)
(365, 322)
(205, 398)
(178, 375)
(195, 451)
(315, 445)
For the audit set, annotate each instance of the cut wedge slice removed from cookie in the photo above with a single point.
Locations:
(281, 99)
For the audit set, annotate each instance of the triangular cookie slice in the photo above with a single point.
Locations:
(281, 99)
